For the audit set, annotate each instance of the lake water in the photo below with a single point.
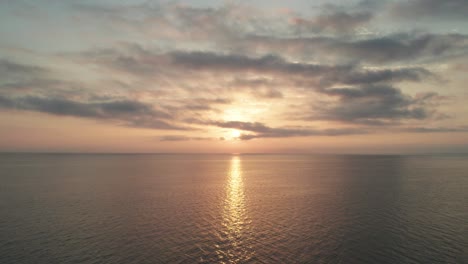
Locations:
(233, 209)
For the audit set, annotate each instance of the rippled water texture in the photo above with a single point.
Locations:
(233, 209)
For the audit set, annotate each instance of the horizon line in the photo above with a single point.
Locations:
(229, 153)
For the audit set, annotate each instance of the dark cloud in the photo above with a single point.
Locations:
(328, 75)
(247, 126)
(324, 75)
(27, 83)
(183, 138)
(263, 131)
(202, 104)
(436, 129)
(434, 9)
(334, 22)
(281, 133)
(211, 60)
(15, 75)
(248, 31)
(131, 113)
(37, 89)
(402, 47)
(414, 74)
(73, 108)
(17, 79)
(131, 58)
(6, 102)
(8, 67)
(146, 62)
(375, 105)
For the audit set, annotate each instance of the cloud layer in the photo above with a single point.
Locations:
(267, 72)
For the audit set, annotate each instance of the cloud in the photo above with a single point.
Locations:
(261, 88)
(403, 47)
(376, 104)
(414, 74)
(162, 66)
(179, 24)
(19, 79)
(333, 22)
(34, 88)
(73, 108)
(15, 75)
(183, 138)
(321, 75)
(130, 113)
(8, 67)
(461, 129)
(146, 63)
(281, 133)
(247, 126)
(263, 131)
(248, 30)
(391, 48)
(202, 104)
(268, 64)
(368, 97)
(435, 9)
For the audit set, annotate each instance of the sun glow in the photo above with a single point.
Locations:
(235, 134)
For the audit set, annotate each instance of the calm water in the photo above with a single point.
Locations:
(233, 209)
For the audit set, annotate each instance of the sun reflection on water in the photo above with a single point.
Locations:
(236, 243)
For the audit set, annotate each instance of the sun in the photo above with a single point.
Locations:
(235, 134)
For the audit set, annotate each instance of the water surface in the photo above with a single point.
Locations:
(233, 209)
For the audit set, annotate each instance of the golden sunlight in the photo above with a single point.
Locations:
(235, 219)
(235, 134)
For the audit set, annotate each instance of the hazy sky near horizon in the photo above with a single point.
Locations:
(234, 76)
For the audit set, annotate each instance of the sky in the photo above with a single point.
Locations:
(234, 76)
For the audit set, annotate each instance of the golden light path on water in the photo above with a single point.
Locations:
(236, 224)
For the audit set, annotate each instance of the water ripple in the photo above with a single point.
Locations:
(233, 209)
